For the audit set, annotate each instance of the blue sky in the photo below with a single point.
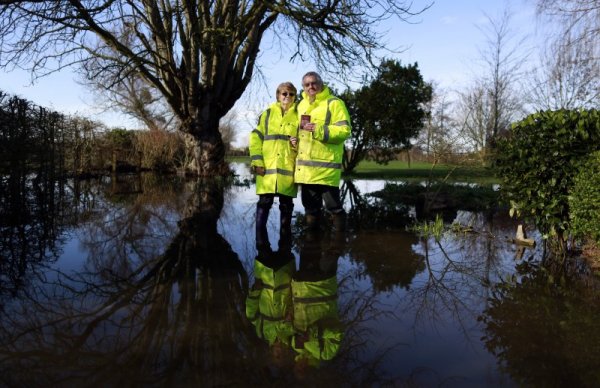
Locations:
(444, 41)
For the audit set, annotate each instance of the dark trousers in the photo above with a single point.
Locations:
(263, 207)
(313, 197)
(286, 203)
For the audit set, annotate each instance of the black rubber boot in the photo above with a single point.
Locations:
(262, 236)
(313, 220)
(339, 221)
(285, 225)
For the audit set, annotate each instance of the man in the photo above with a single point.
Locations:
(318, 330)
(324, 126)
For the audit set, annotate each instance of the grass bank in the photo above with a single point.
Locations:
(398, 170)
(238, 159)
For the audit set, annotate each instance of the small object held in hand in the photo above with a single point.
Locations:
(304, 119)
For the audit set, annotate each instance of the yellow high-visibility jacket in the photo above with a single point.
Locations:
(268, 305)
(316, 314)
(320, 153)
(270, 148)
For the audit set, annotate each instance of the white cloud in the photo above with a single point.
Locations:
(449, 20)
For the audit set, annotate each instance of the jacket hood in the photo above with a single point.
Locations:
(322, 95)
(277, 104)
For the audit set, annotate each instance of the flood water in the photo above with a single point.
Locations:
(156, 281)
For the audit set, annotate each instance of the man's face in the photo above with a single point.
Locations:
(311, 86)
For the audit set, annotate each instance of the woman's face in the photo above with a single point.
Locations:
(286, 97)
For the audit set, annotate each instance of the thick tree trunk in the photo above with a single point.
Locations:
(205, 152)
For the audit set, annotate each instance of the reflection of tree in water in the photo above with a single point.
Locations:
(33, 214)
(373, 213)
(448, 288)
(487, 235)
(379, 242)
(543, 326)
(388, 258)
(178, 319)
(127, 230)
(446, 281)
(38, 206)
(460, 268)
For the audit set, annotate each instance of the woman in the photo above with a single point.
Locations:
(273, 154)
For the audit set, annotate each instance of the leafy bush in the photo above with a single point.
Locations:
(584, 200)
(538, 160)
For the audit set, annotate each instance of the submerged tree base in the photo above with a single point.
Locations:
(205, 156)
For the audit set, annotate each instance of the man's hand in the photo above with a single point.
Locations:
(310, 127)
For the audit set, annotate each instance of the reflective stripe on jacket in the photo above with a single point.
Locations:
(314, 301)
(320, 153)
(270, 148)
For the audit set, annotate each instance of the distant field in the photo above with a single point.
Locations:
(238, 159)
(417, 170)
(421, 170)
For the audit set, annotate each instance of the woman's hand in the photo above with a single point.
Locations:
(259, 170)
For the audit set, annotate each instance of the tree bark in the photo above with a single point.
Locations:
(205, 152)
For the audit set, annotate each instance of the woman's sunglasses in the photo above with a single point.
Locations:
(285, 94)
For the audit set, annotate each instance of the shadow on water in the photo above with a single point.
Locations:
(144, 280)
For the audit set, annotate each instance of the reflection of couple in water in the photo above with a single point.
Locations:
(295, 310)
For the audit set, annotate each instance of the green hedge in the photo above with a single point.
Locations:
(538, 160)
(584, 200)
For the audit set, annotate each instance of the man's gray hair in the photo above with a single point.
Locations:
(313, 74)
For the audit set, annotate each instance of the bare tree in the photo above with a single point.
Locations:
(580, 18)
(567, 77)
(129, 93)
(474, 116)
(199, 55)
(439, 131)
(137, 99)
(494, 101)
(568, 74)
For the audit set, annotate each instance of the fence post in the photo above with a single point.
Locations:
(114, 160)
